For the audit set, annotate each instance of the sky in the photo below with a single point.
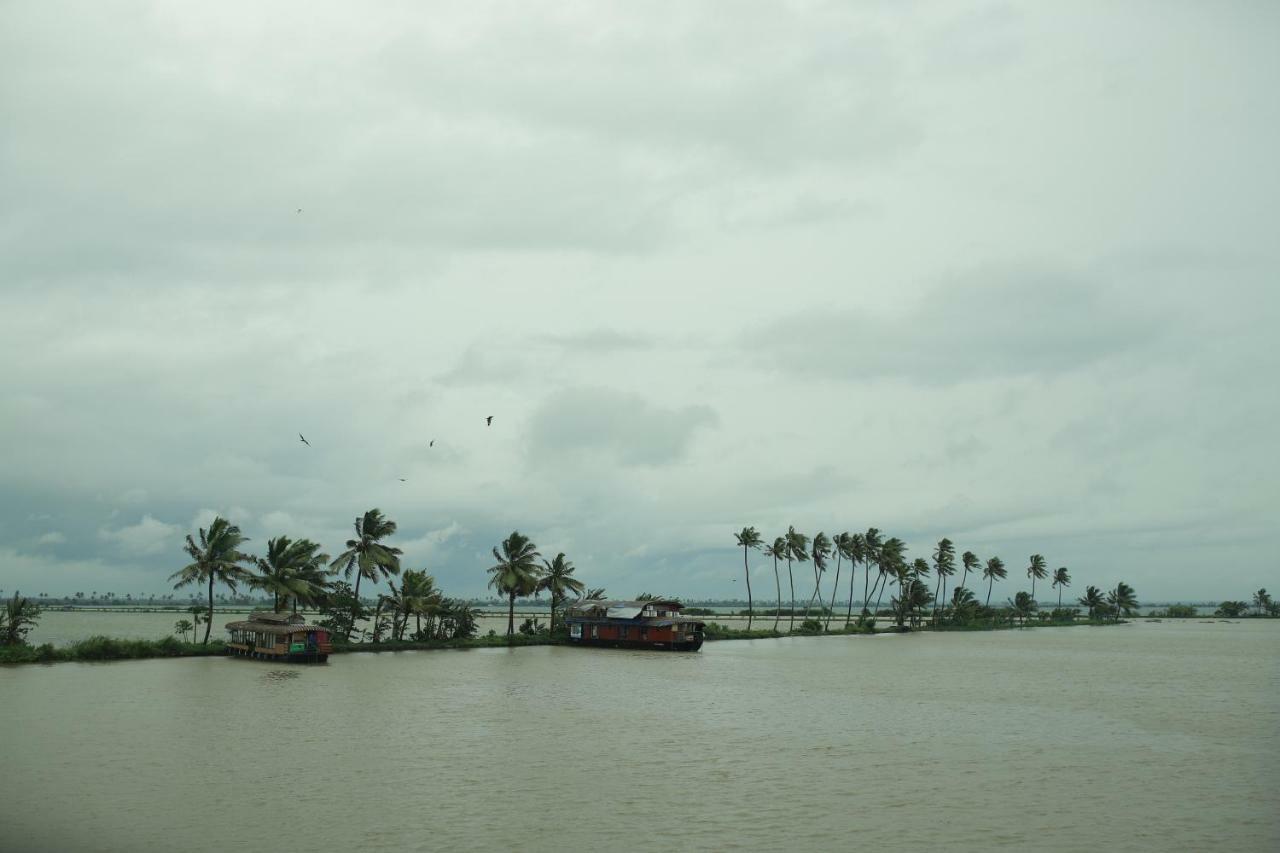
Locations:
(1002, 272)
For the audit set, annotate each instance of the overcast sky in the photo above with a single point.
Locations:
(1003, 272)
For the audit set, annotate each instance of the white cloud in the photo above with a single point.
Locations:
(148, 536)
(53, 537)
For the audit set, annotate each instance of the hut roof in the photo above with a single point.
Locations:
(267, 622)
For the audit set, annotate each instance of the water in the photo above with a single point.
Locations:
(1135, 737)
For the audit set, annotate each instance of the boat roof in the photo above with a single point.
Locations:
(621, 603)
(274, 626)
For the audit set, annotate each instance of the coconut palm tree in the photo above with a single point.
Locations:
(944, 564)
(1023, 604)
(777, 551)
(18, 616)
(1122, 599)
(872, 545)
(840, 542)
(291, 570)
(1036, 571)
(963, 605)
(216, 559)
(1262, 600)
(821, 553)
(558, 580)
(798, 550)
(992, 571)
(892, 563)
(857, 553)
(748, 538)
(1061, 578)
(971, 563)
(516, 573)
(1092, 599)
(367, 557)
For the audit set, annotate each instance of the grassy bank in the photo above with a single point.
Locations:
(110, 648)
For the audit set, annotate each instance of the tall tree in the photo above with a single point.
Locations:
(1262, 601)
(1061, 578)
(1036, 571)
(892, 564)
(798, 550)
(840, 543)
(367, 557)
(1023, 604)
(944, 565)
(291, 570)
(516, 573)
(1122, 599)
(747, 539)
(993, 571)
(777, 551)
(821, 553)
(857, 554)
(873, 545)
(558, 579)
(971, 563)
(216, 559)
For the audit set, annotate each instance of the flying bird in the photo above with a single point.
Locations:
(299, 210)
(403, 480)
(303, 439)
(431, 443)
(488, 421)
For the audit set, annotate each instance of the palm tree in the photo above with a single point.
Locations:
(1261, 600)
(821, 553)
(971, 563)
(777, 551)
(857, 554)
(368, 557)
(748, 538)
(215, 560)
(558, 580)
(1061, 578)
(963, 604)
(1023, 604)
(18, 616)
(516, 573)
(944, 564)
(1092, 599)
(291, 570)
(993, 570)
(892, 563)
(798, 550)
(872, 545)
(840, 542)
(1036, 570)
(1122, 598)
(182, 626)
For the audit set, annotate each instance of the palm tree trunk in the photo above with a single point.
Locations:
(1033, 587)
(511, 615)
(990, 583)
(817, 583)
(936, 587)
(853, 576)
(944, 597)
(355, 605)
(553, 614)
(1059, 598)
(791, 626)
(275, 606)
(751, 612)
(777, 581)
(884, 582)
(835, 589)
(866, 576)
(208, 624)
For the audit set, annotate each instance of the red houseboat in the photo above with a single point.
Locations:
(278, 636)
(655, 624)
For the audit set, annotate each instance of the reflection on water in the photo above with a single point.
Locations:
(1122, 738)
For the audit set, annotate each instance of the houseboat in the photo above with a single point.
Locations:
(655, 624)
(278, 636)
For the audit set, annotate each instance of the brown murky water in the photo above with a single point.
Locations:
(1137, 737)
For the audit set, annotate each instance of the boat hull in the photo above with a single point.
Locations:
(648, 645)
(281, 657)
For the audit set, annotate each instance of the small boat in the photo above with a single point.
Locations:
(278, 636)
(653, 624)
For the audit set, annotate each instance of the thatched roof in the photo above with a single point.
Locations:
(267, 622)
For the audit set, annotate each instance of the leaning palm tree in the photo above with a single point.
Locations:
(821, 553)
(892, 563)
(516, 573)
(944, 564)
(798, 550)
(840, 544)
(873, 545)
(1122, 599)
(290, 570)
(215, 560)
(1092, 599)
(857, 552)
(1023, 605)
(1036, 571)
(993, 570)
(1061, 578)
(367, 557)
(971, 563)
(748, 539)
(558, 580)
(777, 551)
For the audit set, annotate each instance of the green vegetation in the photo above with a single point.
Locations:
(747, 540)
(215, 560)
(558, 580)
(515, 573)
(17, 617)
(367, 557)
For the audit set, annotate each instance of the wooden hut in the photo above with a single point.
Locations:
(654, 624)
(278, 636)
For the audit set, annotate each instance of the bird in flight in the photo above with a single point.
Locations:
(303, 439)
(488, 421)
(403, 480)
(431, 443)
(299, 210)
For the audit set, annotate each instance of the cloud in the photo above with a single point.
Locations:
(581, 424)
(148, 536)
(53, 537)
